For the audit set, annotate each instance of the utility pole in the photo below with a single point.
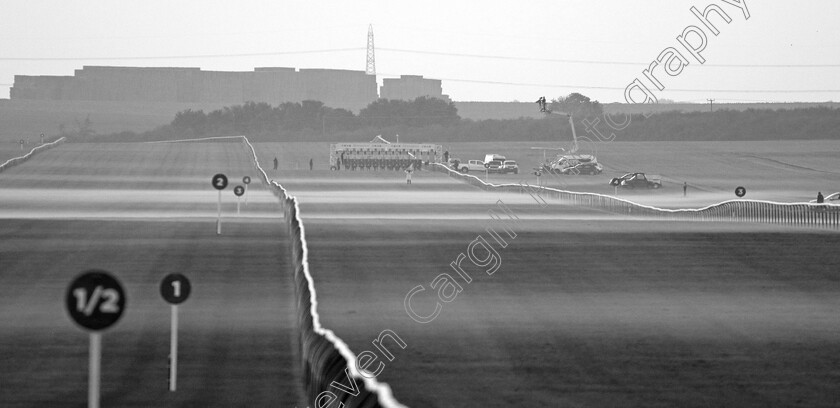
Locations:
(711, 101)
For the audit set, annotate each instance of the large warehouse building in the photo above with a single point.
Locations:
(409, 87)
(346, 89)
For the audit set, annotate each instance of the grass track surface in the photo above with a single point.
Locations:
(236, 329)
(586, 309)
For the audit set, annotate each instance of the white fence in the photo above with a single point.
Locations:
(326, 358)
(18, 160)
(791, 214)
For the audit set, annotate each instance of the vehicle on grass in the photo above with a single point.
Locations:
(636, 180)
(830, 199)
(568, 164)
(510, 166)
(591, 168)
(472, 165)
(495, 166)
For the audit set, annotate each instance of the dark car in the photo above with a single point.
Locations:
(636, 180)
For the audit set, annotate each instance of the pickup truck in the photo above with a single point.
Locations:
(636, 180)
(471, 165)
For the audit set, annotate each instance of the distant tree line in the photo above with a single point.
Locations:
(435, 120)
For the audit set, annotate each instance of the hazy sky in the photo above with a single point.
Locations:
(483, 50)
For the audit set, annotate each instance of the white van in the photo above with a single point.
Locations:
(491, 157)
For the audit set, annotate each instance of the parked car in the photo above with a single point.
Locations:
(636, 180)
(568, 164)
(495, 166)
(509, 166)
(830, 199)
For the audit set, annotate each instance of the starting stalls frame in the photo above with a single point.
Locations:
(382, 155)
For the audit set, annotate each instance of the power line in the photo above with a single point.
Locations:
(501, 33)
(478, 81)
(595, 62)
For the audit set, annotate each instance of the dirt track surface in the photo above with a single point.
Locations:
(585, 311)
(141, 212)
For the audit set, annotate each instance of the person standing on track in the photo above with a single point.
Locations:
(275, 163)
(820, 198)
(408, 172)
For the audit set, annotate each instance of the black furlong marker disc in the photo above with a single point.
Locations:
(95, 300)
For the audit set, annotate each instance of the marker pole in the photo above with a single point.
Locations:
(237, 205)
(94, 369)
(219, 220)
(173, 350)
(246, 195)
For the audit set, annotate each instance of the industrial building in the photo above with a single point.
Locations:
(352, 90)
(409, 87)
